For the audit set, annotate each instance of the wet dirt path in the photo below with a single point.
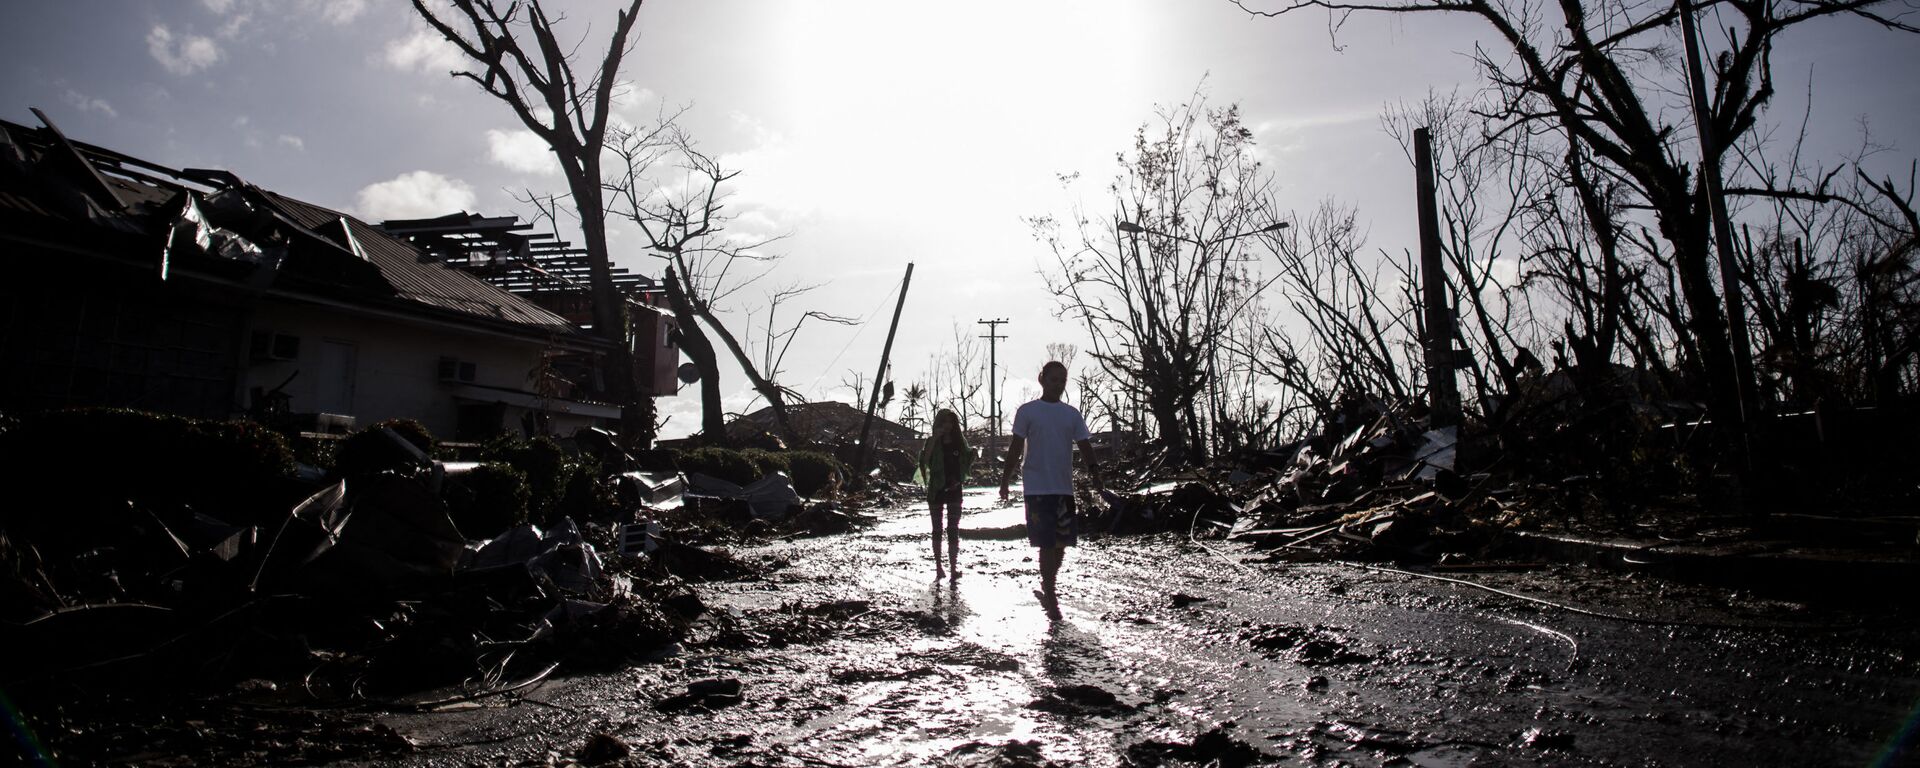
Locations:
(849, 652)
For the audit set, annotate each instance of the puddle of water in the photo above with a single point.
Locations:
(980, 509)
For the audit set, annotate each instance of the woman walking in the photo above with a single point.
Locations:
(944, 462)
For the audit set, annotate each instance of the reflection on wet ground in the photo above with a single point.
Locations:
(852, 653)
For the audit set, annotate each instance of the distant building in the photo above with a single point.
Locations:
(825, 423)
(193, 292)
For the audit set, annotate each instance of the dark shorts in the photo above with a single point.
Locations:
(1051, 521)
(948, 500)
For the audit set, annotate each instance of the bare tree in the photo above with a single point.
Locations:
(956, 378)
(1349, 337)
(1829, 264)
(683, 217)
(1157, 285)
(1061, 352)
(570, 114)
(1101, 399)
(1599, 72)
(856, 382)
(777, 340)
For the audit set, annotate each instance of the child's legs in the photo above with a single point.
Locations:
(934, 504)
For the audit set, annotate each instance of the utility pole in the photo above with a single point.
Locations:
(1746, 402)
(1441, 392)
(866, 425)
(993, 372)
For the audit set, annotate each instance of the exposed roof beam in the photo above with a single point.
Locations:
(99, 191)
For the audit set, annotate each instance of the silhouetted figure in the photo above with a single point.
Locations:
(944, 462)
(1051, 428)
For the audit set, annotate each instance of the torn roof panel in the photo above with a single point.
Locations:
(327, 252)
(429, 283)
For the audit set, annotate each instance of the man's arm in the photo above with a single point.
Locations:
(1092, 462)
(1016, 447)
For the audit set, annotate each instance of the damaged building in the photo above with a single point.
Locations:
(191, 291)
(826, 422)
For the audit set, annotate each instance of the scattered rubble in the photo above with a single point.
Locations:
(1377, 483)
(1080, 699)
(1215, 747)
(1007, 754)
(166, 579)
(361, 585)
(706, 695)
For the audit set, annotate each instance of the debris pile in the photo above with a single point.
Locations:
(173, 557)
(1382, 482)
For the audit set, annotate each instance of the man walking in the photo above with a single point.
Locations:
(1044, 433)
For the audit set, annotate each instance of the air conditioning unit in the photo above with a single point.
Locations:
(267, 346)
(456, 371)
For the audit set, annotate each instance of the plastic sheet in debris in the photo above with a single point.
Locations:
(660, 490)
(1436, 452)
(389, 533)
(1153, 490)
(770, 496)
(561, 553)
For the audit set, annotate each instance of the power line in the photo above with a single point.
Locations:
(862, 328)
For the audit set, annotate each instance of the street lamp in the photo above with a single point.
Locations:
(1134, 229)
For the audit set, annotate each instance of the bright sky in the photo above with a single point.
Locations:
(876, 133)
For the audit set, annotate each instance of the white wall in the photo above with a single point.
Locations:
(395, 364)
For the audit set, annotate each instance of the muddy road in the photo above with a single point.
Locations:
(847, 651)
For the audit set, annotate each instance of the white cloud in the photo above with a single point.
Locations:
(520, 151)
(414, 195)
(295, 142)
(633, 105)
(182, 56)
(240, 14)
(235, 25)
(682, 412)
(776, 190)
(338, 11)
(425, 51)
(85, 103)
(1506, 272)
(1290, 135)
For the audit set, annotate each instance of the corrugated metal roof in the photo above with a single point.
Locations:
(430, 283)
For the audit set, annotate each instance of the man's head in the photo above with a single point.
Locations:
(1053, 380)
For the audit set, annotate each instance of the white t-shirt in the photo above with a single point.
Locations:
(1050, 430)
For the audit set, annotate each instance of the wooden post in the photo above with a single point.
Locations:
(1746, 402)
(873, 404)
(1442, 396)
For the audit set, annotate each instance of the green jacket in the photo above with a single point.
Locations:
(939, 476)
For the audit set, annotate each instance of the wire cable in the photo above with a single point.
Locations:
(862, 328)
